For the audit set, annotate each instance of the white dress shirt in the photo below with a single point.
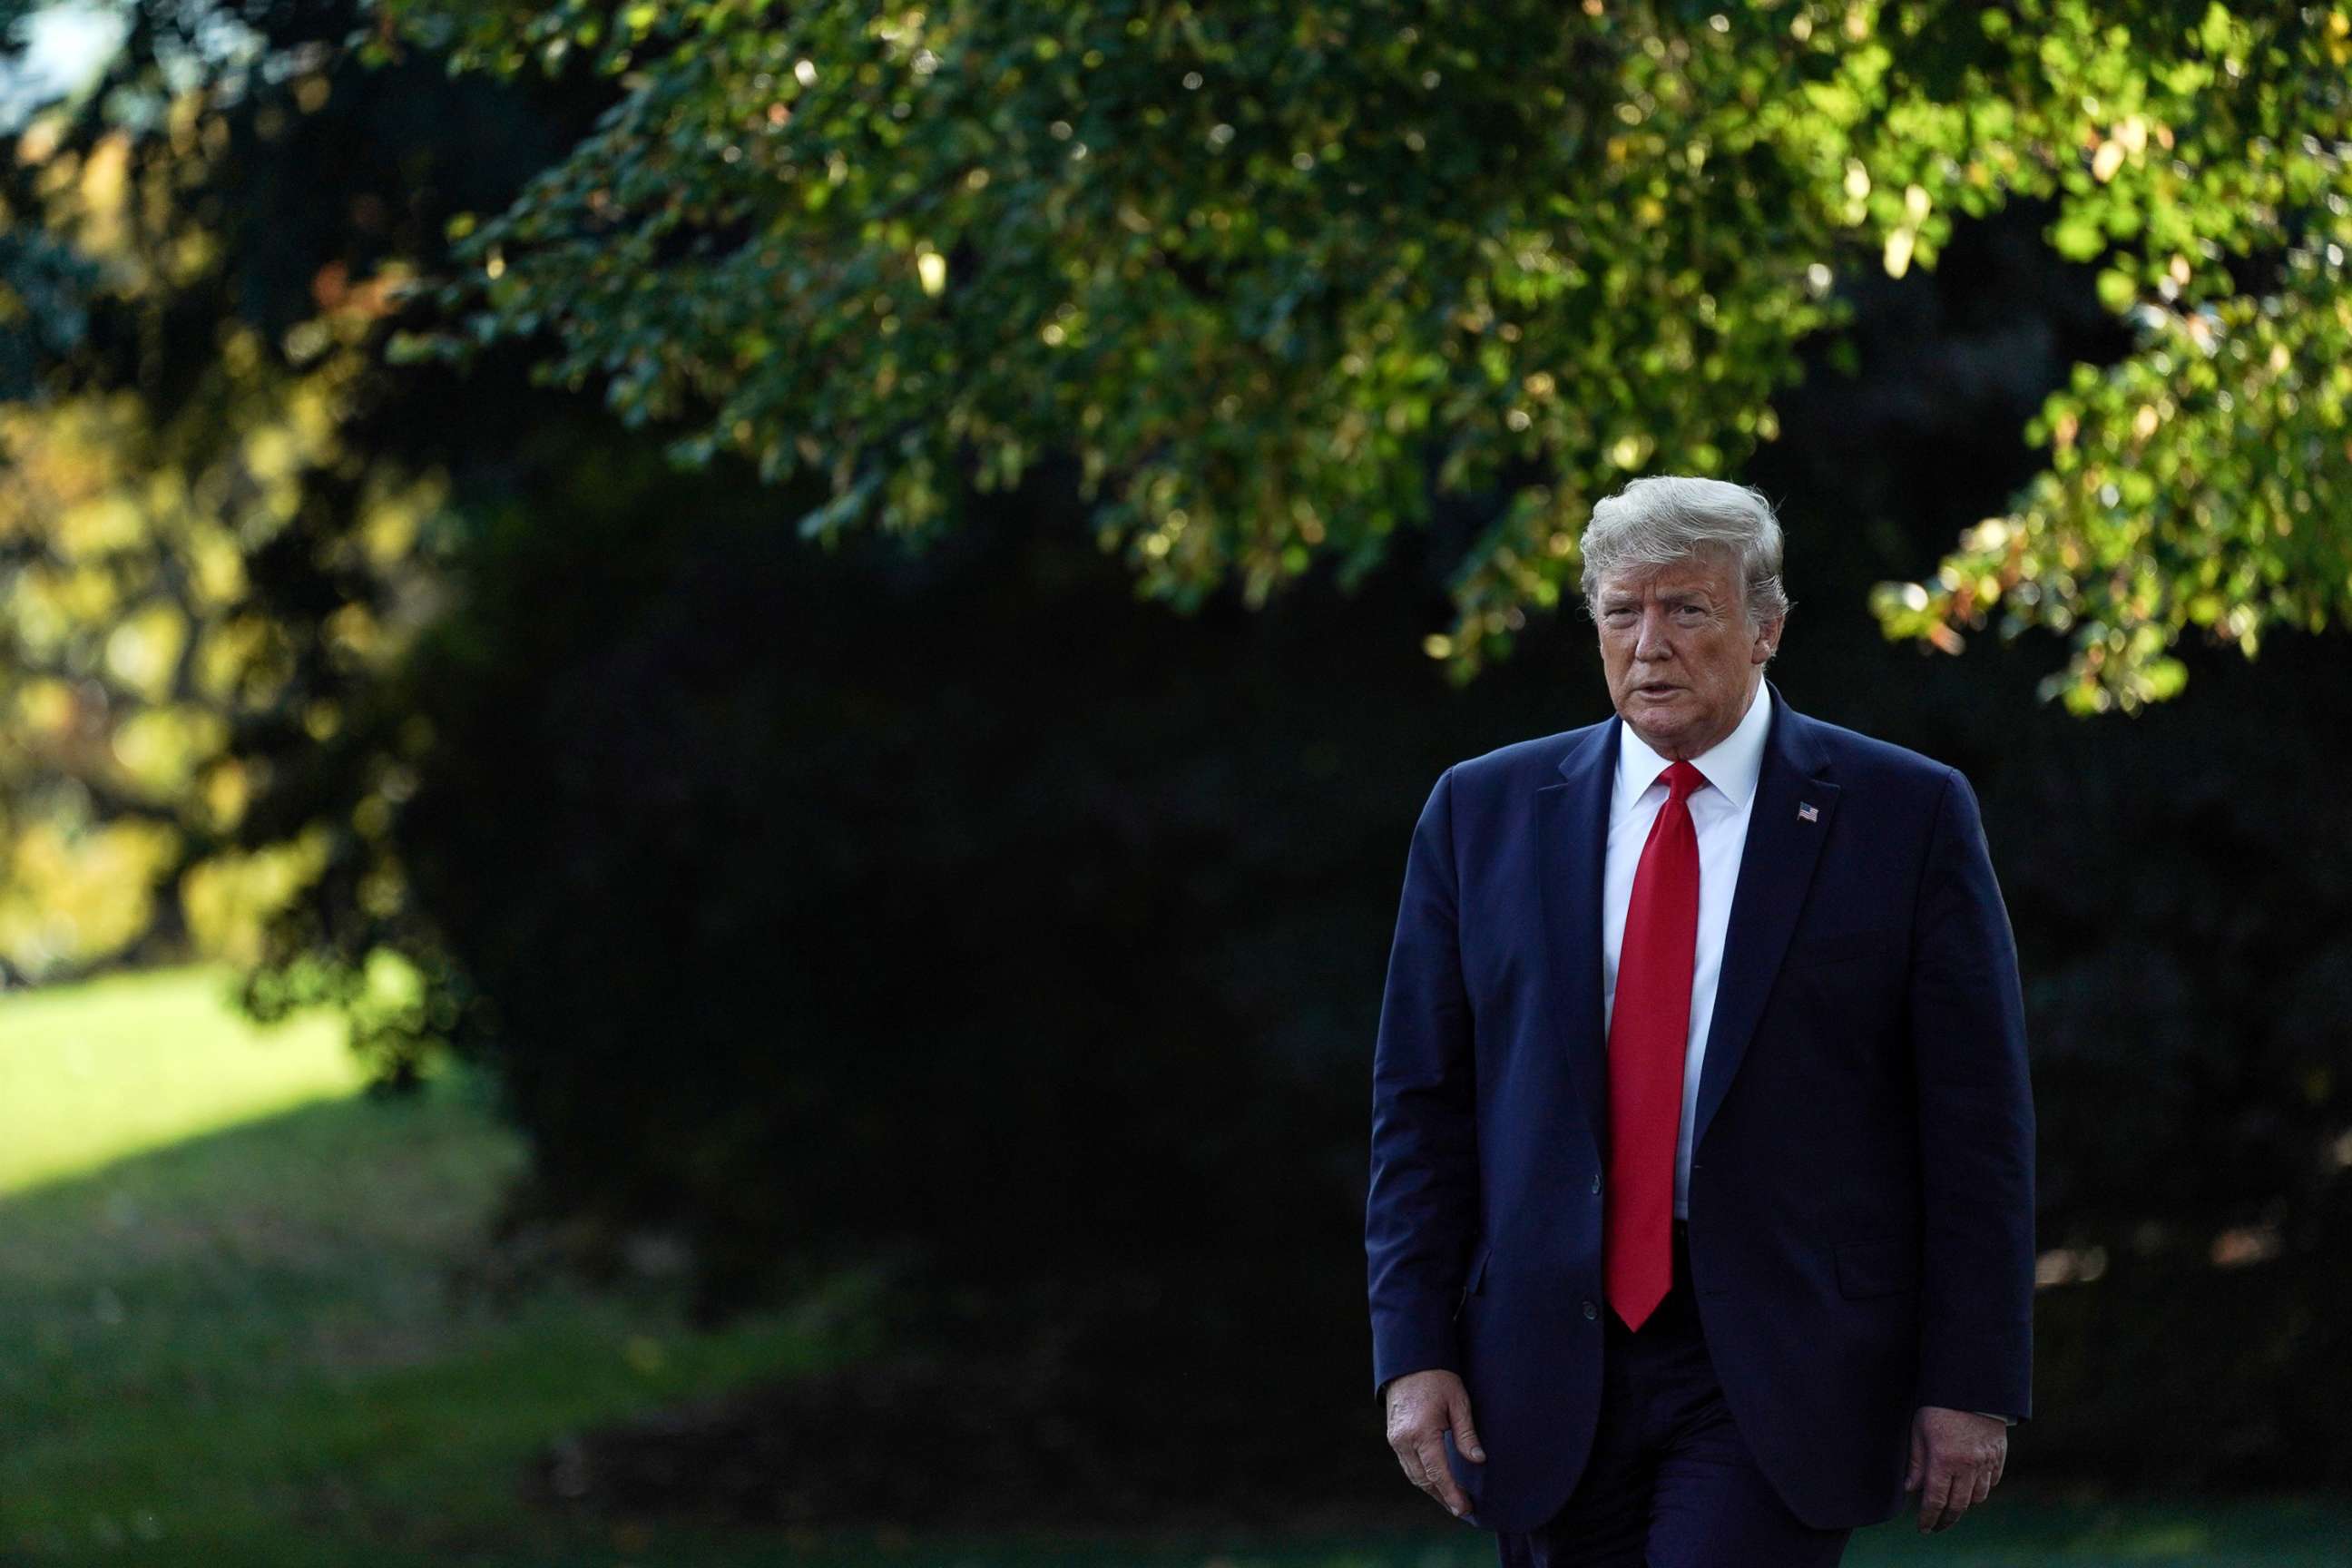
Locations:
(1719, 811)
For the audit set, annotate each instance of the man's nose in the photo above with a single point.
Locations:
(1653, 643)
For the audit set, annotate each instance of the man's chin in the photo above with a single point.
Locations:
(1663, 716)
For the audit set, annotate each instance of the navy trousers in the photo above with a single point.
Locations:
(1670, 1483)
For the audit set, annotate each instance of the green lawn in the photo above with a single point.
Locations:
(226, 1337)
(90, 1074)
(225, 1332)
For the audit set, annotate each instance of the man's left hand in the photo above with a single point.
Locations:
(1955, 1459)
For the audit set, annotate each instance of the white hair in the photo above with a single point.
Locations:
(1663, 519)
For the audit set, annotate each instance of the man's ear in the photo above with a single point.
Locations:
(1768, 638)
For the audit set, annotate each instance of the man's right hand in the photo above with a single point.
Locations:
(1421, 1406)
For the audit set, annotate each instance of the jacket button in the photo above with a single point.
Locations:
(1589, 1310)
(1596, 1181)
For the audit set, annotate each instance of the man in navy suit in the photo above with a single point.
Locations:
(1700, 1227)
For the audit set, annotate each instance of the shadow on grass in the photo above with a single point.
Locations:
(260, 1341)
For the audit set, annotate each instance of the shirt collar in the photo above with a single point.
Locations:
(1730, 765)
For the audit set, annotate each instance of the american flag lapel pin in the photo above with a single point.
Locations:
(1808, 812)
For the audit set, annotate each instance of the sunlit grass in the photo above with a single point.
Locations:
(91, 1073)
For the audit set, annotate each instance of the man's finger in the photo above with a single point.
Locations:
(1465, 1437)
(1409, 1461)
(1933, 1497)
(1984, 1485)
(1441, 1479)
(1962, 1493)
(1956, 1502)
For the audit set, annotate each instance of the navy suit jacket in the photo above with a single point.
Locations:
(1861, 1192)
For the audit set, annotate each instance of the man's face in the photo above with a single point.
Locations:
(1682, 659)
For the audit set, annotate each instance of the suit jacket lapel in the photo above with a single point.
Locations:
(1776, 868)
(1571, 845)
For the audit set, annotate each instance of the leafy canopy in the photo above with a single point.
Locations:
(1274, 275)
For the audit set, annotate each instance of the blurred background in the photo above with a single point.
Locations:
(709, 714)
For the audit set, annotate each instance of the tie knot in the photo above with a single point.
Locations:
(1682, 779)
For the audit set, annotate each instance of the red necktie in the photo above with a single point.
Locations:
(1649, 1033)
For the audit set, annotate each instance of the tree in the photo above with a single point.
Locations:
(222, 521)
(207, 563)
(1273, 275)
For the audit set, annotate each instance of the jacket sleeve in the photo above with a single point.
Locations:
(1421, 1211)
(1976, 1126)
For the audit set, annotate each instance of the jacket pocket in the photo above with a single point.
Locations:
(1476, 1278)
(1881, 1267)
